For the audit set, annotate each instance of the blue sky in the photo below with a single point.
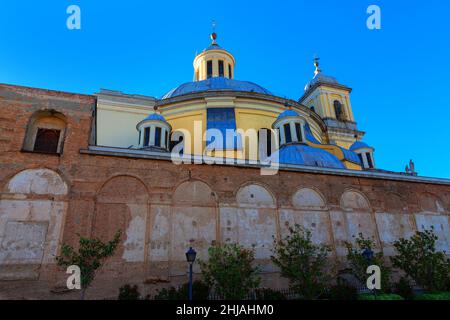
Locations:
(400, 74)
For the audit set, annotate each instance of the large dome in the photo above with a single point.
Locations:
(304, 155)
(215, 84)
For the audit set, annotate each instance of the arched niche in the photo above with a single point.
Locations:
(254, 195)
(45, 132)
(393, 202)
(122, 204)
(194, 192)
(307, 198)
(194, 222)
(252, 223)
(354, 200)
(37, 181)
(30, 228)
(431, 203)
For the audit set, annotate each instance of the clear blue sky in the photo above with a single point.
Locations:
(400, 74)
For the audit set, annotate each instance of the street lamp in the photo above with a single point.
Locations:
(190, 257)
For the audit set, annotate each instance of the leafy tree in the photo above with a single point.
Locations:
(89, 258)
(230, 271)
(200, 291)
(359, 264)
(421, 262)
(302, 262)
(128, 292)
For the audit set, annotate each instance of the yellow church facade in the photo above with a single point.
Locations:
(319, 129)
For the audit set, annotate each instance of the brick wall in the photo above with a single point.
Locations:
(163, 208)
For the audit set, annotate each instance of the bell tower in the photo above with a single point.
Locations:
(331, 101)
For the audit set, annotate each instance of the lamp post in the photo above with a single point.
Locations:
(190, 257)
(368, 256)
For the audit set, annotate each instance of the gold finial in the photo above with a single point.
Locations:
(213, 34)
(316, 64)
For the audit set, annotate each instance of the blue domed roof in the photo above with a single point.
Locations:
(321, 78)
(215, 84)
(287, 113)
(359, 145)
(155, 116)
(214, 46)
(304, 155)
(351, 156)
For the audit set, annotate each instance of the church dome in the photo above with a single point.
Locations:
(155, 116)
(287, 114)
(215, 84)
(359, 145)
(304, 155)
(322, 79)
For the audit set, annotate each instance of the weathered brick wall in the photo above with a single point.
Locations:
(164, 208)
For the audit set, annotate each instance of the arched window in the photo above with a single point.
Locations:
(45, 132)
(339, 111)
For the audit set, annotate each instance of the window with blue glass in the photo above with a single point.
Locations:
(223, 119)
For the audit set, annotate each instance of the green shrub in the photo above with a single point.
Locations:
(269, 294)
(404, 289)
(230, 271)
(359, 264)
(303, 263)
(386, 297)
(200, 291)
(89, 257)
(434, 296)
(420, 261)
(128, 292)
(342, 291)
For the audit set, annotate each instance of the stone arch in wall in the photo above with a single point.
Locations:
(353, 200)
(46, 131)
(394, 222)
(433, 215)
(306, 198)
(309, 210)
(194, 222)
(122, 204)
(352, 218)
(32, 215)
(430, 203)
(251, 221)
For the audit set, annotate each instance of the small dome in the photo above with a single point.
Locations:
(155, 116)
(288, 113)
(359, 145)
(300, 154)
(213, 46)
(309, 135)
(215, 84)
(321, 78)
(351, 156)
